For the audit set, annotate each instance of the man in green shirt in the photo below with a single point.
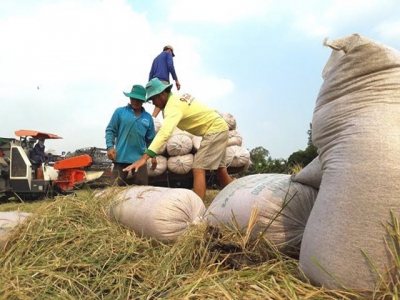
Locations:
(187, 113)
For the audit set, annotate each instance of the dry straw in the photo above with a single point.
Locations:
(70, 250)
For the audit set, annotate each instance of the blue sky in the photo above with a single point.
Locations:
(259, 60)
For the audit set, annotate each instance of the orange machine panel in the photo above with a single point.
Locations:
(80, 161)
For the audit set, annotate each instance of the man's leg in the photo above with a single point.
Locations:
(141, 176)
(119, 176)
(199, 183)
(223, 177)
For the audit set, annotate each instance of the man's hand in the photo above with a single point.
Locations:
(136, 165)
(112, 154)
(178, 85)
(153, 163)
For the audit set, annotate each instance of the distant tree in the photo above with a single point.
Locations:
(304, 157)
(277, 166)
(263, 163)
(258, 157)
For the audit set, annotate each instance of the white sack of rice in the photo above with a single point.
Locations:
(179, 144)
(180, 131)
(237, 156)
(160, 213)
(161, 166)
(181, 164)
(356, 128)
(235, 138)
(8, 221)
(157, 124)
(230, 120)
(196, 142)
(282, 207)
(310, 174)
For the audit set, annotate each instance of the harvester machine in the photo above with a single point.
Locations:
(28, 179)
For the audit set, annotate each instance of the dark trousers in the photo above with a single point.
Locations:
(121, 178)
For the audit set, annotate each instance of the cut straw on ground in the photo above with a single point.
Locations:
(70, 250)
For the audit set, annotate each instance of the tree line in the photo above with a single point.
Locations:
(262, 162)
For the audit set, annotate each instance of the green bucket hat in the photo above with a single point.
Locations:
(155, 87)
(138, 92)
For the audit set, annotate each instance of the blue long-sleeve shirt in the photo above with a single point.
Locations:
(162, 66)
(129, 133)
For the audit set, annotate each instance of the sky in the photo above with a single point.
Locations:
(64, 64)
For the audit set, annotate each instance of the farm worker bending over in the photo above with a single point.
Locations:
(187, 113)
(131, 130)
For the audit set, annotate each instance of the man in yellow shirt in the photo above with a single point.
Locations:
(187, 113)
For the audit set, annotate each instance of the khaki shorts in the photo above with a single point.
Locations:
(212, 151)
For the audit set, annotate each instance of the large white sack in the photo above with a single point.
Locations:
(179, 144)
(283, 208)
(356, 128)
(157, 124)
(310, 174)
(180, 131)
(196, 142)
(161, 166)
(237, 156)
(181, 164)
(8, 221)
(160, 213)
(235, 138)
(230, 120)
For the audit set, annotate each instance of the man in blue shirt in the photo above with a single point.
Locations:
(162, 67)
(130, 130)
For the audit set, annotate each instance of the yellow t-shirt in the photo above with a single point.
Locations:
(187, 113)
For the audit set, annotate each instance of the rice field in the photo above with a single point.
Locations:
(70, 250)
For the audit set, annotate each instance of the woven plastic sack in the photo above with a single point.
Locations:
(8, 221)
(237, 156)
(235, 138)
(181, 164)
(160, 213)
(179, 144)
(310, 174)
(161, 166)
(356, 125)
(282, 208)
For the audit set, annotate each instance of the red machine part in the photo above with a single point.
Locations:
(80, 161)
(69, 173)
(68, 179)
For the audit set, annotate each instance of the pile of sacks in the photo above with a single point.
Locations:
(269, 205)
(178, 153)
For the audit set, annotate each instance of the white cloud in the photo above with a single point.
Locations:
(319, 19)
(82, 55)
(222, 11)
(389, 30)
(66, 41)
(210, 90)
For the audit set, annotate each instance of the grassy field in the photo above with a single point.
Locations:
(70, 250)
